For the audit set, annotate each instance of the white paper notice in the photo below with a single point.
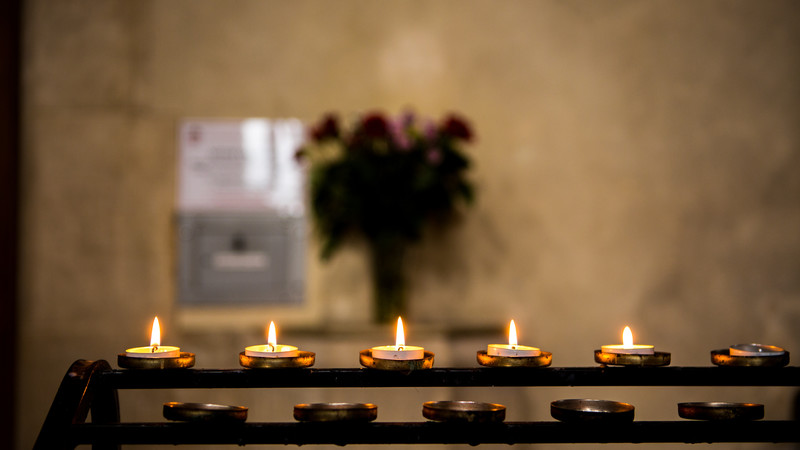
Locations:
(240, 165)
(240, 261)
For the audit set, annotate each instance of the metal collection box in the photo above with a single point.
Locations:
(245, 258)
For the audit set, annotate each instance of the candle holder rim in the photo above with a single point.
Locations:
(463, 411)
(184, 361)
(187, 412)
(544, 359)
(720, 411)
(591, 410)
(335, 412)
(301, 360)
(622, 359)
(463, 405)
(401, 365)
(335, 406)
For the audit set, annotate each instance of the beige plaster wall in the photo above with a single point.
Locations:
(637, 163)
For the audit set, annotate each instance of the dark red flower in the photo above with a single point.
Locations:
(328, 128)
(375, 126)
(457, 127)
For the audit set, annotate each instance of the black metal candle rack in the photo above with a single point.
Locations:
(92, 386)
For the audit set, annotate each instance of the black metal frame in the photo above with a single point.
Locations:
(92, 386)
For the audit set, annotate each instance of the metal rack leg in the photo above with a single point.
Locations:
(76, 397)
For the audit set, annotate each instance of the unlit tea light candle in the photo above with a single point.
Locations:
(756, 350)
(155, 350)
(627, 347)
(399, 351)
(271, 349)
(513, 349)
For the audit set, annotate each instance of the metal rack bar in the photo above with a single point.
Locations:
(453, 377)
(434, 433)
(93, 385)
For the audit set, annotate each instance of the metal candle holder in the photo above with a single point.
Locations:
(621, 359)
(463, 411)
(184, 361)
(335, 412)
(302, 359)
(401, 365)
(723, 357)
(589, 410)
(720, 411)
(203, 412)
(543, 360)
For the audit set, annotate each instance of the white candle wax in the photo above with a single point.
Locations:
(755, 350)
(399, 351)
(164, 351)
(155, 350)
(396, 352)
(627, 347)
(271, 351)
(512, 350)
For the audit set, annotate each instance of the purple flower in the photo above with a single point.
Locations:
(457, 127)
(327, 128)
(408, 118)
(430, 130)
(434, 156)
(398, 131)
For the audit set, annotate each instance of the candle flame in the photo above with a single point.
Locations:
(512, 334)
(627, 337)
(155, 334)
(400, 339)
(272, 338)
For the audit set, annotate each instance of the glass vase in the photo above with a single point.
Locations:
(387, 258)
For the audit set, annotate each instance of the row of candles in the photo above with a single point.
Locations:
(400, 351)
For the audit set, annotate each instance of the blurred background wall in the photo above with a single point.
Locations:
(637, 163)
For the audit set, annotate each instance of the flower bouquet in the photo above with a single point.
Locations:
(384, 179)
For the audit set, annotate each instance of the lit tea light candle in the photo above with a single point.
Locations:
(155, 350)
(756, 350)
(271, 349)
(512, 349)
(627, 347)
(399, 351)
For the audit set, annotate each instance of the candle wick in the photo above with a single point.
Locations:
(154, 348)
(400, 348)
(513, 347)
(271, 347)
